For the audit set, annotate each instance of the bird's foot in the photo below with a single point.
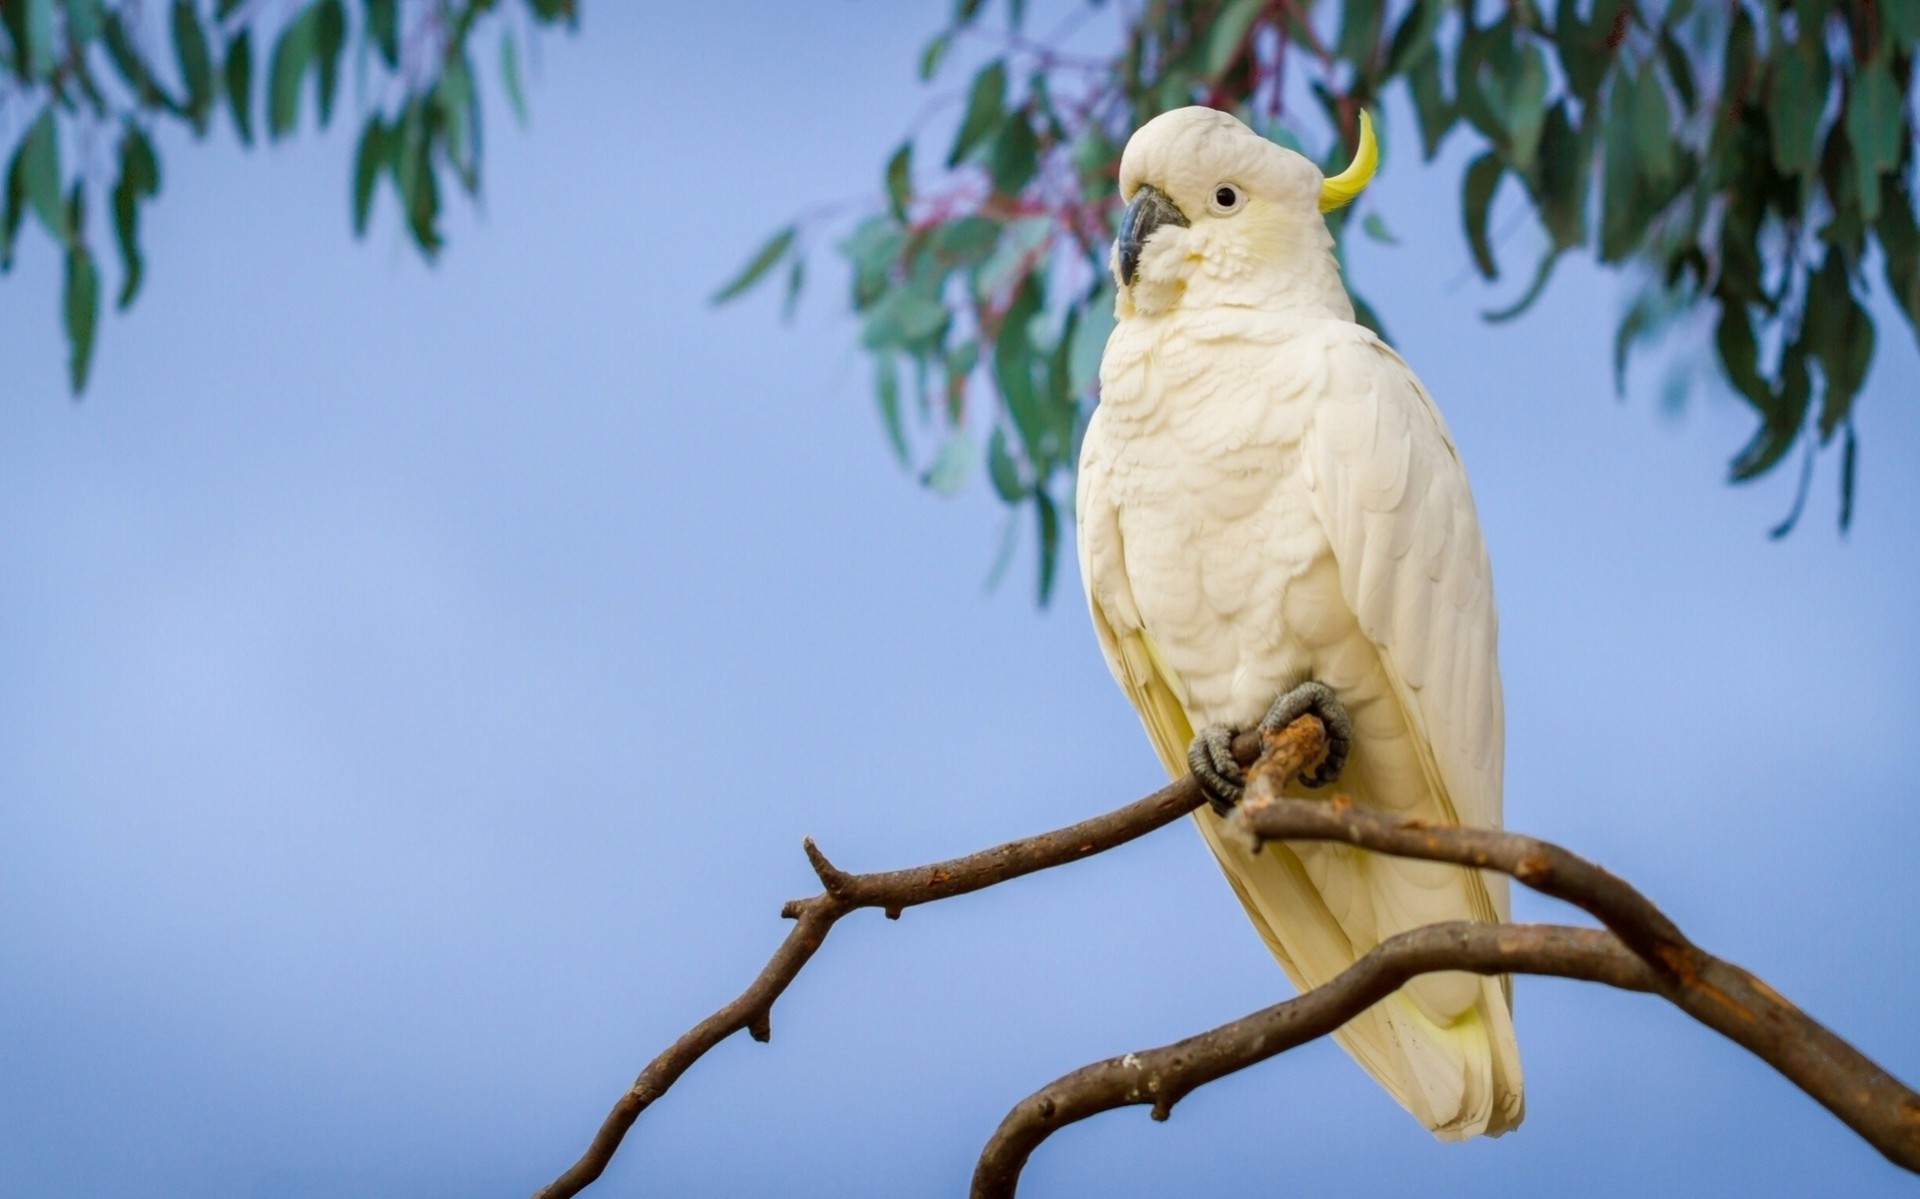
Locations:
(1317, 698)
(1210, 757)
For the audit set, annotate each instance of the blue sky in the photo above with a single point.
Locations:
(418, 681)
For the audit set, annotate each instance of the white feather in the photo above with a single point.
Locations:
(1268, 495)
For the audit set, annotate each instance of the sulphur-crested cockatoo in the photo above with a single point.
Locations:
(1273, 519)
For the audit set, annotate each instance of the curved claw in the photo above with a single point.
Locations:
(1210, 757)
(1319, 699)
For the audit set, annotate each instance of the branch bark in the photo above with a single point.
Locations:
(1294, 748)
(1642, 950)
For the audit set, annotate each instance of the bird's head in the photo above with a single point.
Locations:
(1217, 214)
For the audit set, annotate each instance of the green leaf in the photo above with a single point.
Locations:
(139, 180)
(239, 78)
(1019, 250)
(953, 464)
(873, 248)
(1874, 123)
(85, 19)
(1900, 244)
(1559, 180)
(1004, 469)
(900, 180)
(287, 70)
(1739, 354)
(1635, 323)
(126, 59)
(763, 260)
(1783, 413)
(1227, 35)
(1049, 520)
(1848, 457)
(1089, 341)
(1482, 181)
(455, 99)
(13, 211)
(1525, 108)
(330, 39)
(373, 154)
(39, 167)
(1541, 274)
(1013, 155)
(510, 76)
(1653, 133)
(1376, 228)
(886, 385)
(1435, 112)
(1795, 100)
(932, 56)
(902, 318)
(413, 171)
(967, 240)
(196, 62)
(796, 281)
(1622, 219)
(986, 105)
(1415, 41)
(80, 306)
(1839, 332)
(40, 37)
(383, 27)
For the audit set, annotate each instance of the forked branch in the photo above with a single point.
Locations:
(1640, 950)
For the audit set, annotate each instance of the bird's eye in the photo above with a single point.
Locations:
(1227, 199)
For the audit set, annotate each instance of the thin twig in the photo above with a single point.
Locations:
(1643, 951)
(1303, 743)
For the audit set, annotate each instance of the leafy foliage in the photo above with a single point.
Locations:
(1743, 157)
(77, 75)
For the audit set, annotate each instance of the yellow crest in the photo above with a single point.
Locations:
(1340, 190)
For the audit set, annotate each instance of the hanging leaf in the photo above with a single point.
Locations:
(900, 180)
(293, 54)
(986, 105)
(1482, 180)
(139, 180)
(757, 267)
(953, 465)
(510, 76)
(80, 306)
(196, 62)
(238, 73)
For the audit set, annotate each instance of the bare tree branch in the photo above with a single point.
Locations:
(1162, 1077)
(1643, 951)
(1294, 748)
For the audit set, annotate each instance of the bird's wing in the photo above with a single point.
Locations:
(1388, 488)
(1287, 909)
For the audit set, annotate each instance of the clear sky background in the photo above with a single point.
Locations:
(417, 682)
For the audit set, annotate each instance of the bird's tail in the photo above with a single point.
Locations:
(1459, 1075)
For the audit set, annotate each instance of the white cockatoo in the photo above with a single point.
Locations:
(1273, 519)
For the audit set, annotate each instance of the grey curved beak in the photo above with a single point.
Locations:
(1150, 210)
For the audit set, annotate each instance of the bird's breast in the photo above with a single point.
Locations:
(1204, 469)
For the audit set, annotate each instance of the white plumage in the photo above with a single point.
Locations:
(1267, 495)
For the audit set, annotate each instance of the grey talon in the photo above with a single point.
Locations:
(1319, 699)
(1210, 757)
